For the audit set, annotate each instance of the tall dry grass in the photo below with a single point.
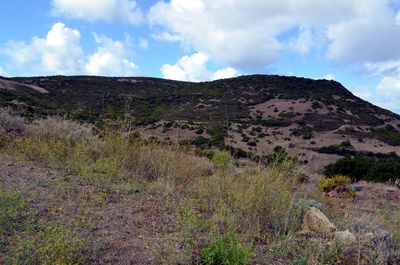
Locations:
(10, 123)
(105, 157)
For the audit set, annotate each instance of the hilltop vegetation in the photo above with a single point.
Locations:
(248, 116)
(72, 193)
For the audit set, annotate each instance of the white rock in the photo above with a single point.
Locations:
(345, 237)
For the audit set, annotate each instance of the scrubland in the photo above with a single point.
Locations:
(74, 194)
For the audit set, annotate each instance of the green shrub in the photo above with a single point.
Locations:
(227, 250)
(338, 183)
(221, 159)
(365, 168)
(388, 134)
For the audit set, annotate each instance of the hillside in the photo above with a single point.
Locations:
(317, 121)
(72, 193)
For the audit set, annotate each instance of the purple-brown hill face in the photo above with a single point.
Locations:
(317, 121)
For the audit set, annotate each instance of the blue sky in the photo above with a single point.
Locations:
(356, 42)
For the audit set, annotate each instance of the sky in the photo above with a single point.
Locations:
(355, 42)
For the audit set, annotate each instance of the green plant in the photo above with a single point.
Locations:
(13, 211)
(221, 159)
(53, 246)
(338, 183)
(227, 250)
(366, 168)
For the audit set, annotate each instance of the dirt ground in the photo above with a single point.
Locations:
(128, 228)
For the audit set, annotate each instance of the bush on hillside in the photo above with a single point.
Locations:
(339, 183)
(365, 168)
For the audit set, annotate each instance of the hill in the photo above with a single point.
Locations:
(317, 121)
(94, 193)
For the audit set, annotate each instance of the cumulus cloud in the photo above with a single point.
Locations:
(110, 59)
(250, 35)
(388, 89)
(194, 68)
(389, 92)
(225, 73)
(93, 10)
(371, 35)
(60, 52)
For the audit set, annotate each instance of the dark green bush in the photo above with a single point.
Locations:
(388, 134)
(365, 168)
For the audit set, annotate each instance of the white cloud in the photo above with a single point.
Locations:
(250, 35)
(194, 68)
(382, 68)
(304, 42)
(60, 52)
(92, 10)
(225, 73)
(329, 77)
(110, 59)
(361, 92)
(371, 35)
(165, 36)
(388, 91)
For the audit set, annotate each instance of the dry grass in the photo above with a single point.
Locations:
(11, 123)
(57, 128)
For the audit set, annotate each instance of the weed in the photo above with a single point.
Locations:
(339, 183)
(227, 249)
(53, 246)
(13, 214)
(221, 160)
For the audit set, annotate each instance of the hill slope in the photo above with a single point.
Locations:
(315, 120)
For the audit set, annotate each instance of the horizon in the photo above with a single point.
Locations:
(352, 42)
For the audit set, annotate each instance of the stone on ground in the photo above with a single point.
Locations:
(315, 221)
